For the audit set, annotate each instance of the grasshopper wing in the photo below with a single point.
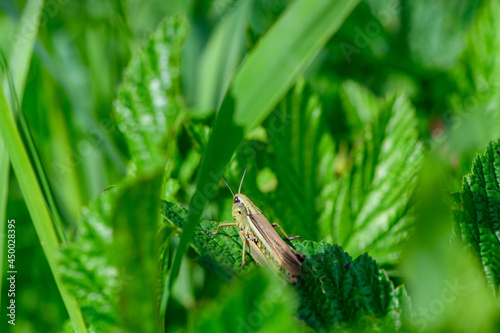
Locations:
(276, 246)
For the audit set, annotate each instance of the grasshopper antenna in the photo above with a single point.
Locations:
(227, 186)
(239, 190)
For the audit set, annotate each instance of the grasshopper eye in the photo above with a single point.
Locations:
(236, 200)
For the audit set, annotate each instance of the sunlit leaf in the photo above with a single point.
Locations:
(367, 207)
(149, 99)
(113, 264)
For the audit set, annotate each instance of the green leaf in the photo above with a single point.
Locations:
(268, 72)
(333, 290)
(366, 209)
(149, 103)
(478, 213)
(149, 100)
(336, 290)
(360, 105)
(477, 72)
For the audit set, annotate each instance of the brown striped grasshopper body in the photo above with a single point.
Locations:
(264, 243)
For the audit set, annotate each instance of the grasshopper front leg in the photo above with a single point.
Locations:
(243, 254)
(245, 240)
(283, 231)
(223, 225)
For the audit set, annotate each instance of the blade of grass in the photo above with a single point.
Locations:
(280, 56)
(22, 48)
(15, 106)
(36, 204)
(19, 64)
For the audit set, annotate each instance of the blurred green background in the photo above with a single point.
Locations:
(357, 123)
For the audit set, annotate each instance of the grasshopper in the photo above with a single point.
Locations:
(264, 243)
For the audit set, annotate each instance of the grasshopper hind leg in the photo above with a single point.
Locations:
(284, 233)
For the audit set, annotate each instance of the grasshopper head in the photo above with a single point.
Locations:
(242, 206)
(239, 206)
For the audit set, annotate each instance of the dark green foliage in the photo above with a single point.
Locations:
(478, 213)
(366, 206)
(336, 290)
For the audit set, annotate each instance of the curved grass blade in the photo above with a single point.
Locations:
(22, 48)
(18, 65)
(17, 111)
(36, 205)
